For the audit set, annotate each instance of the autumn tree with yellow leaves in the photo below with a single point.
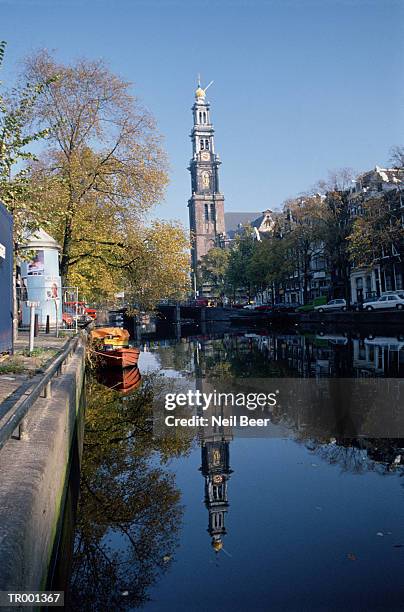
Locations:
(102, 171)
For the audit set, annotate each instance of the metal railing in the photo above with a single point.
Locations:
(42, 388)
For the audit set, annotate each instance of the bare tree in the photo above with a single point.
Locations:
(397, 156)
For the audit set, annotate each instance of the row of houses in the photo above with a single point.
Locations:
(322, 279)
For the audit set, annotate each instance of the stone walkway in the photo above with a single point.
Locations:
(14, 385)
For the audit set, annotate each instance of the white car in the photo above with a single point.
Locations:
(339, 304)
(390, 300)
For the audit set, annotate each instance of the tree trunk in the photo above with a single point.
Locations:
(67, 239)
(305, 280)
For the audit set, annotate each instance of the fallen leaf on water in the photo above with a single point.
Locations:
(380, 533)
(351, 556)
(166, 558)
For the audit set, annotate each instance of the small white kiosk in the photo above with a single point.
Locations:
(40, 277)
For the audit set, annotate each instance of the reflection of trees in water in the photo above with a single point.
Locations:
(178, 356)
(240, 357)
(129, 510)
(359, 455)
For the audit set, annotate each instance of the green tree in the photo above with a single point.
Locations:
(237, 276)
(271, 263)
(305, 215)
(213, 269)
(15, 137)
(377, 230)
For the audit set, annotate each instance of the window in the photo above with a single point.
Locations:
(206, 212)
(200, 117)
(202, 145)
(212, 212)
(204, 117)
(207, 144)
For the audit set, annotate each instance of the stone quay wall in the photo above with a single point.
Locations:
(34, 475)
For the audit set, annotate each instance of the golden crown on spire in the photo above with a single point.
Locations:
(200, 93)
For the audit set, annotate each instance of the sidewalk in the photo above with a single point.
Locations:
(17, 372)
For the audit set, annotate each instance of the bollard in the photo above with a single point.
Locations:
(47, 325)
(36, 325)
(47, 390)
(31, 327)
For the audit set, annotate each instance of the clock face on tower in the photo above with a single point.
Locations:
(205, 156)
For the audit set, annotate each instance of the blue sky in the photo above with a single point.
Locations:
(301, 87)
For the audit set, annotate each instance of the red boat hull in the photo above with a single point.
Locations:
(119, 358)
(120, 380)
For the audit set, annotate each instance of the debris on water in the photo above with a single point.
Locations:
(125, 593)
(319, 508)
(314, 465)
(166, 558)
(380, 534)
(351, 556)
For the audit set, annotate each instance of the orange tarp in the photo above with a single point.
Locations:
(105, 332)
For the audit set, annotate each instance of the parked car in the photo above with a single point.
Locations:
(91, 312)
(399, 293)
(67, 320)
(264, 308)
(339, 304)
(286, 307)
(318, 301)
(249, 307)
(388, 300)
(362, 305)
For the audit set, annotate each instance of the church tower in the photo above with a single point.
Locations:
(206, 205)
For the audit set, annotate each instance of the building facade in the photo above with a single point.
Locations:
(387, 271)
(206, 204)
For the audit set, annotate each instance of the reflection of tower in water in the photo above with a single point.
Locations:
(215, 442)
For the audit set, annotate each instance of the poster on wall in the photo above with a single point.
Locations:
(35, 267)
(52, 292)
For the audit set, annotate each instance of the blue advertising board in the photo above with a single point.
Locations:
(6, 280)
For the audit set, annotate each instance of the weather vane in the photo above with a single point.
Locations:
(203, 89)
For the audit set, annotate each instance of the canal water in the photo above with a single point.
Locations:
(302, 516)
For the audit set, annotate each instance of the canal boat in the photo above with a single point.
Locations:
(111, 347)
(123, 380)
(118, 358)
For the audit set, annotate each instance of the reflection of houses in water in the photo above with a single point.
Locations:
(308, 355)
(380, 356)
(215, 468)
